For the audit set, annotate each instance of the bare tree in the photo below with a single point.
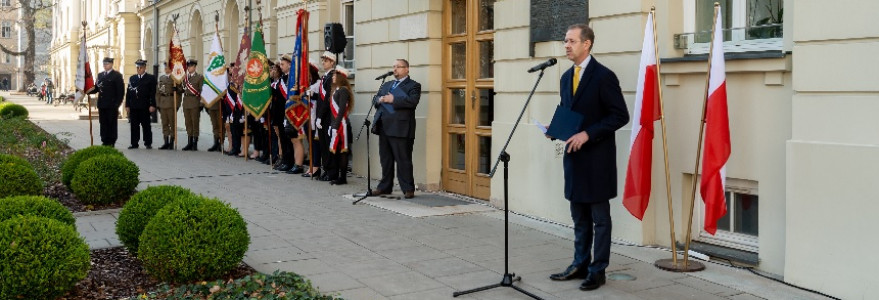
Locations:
(29, 24)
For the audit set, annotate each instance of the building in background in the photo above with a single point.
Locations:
(9, 37)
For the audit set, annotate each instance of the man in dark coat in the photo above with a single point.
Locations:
(592, 90)
(110, 88)
(140, 101)
(395, 122)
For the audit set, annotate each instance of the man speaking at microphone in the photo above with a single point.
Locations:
(592, 91)
(395, 126)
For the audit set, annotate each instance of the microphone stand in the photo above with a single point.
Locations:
(366, 124)
(508, 278)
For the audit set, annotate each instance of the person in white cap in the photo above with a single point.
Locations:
(339, 131)
(322, 112)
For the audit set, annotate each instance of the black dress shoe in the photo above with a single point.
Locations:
(325, 177)
(315, 174)
(284, 167)
(377, 192)
(149, 146)
(572, 272)
(339, 181)
(296, 170)
(593, 281)
(132, 147)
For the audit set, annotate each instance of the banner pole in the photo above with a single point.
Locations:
(222, 124)
(91, 129)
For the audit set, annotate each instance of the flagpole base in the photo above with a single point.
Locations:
(668, 264)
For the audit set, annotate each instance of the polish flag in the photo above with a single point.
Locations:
(636, 195)
(717, 145)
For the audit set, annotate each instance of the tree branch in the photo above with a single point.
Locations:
(10, 52)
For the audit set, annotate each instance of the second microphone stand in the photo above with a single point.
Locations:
(366, 124)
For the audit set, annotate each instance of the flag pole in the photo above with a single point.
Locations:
(222, 125)
(174, 83)
(699, 146)
(88, 97)
(268, 124)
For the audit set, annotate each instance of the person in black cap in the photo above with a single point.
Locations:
(140, 101)
(192, 83)
(110, 87)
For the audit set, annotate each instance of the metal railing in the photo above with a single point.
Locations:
(734, 35)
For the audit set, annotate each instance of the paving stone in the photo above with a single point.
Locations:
(371, 268)
(435, 294)
(707, 286)
(334, 281)
(745, 297)
(443, 266)
(676, 291)
(304, 267)
(413, 254)
(361, 294)
(401, 283)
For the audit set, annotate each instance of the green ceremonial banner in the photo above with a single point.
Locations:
(257, 84)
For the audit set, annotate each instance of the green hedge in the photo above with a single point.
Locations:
(12, 110)
(35, 206)
(141, 208)
(279, 285)
(193, 238)
(18, 180)
(73, 161)
(12, 159)
(105, 179)
(41, 258)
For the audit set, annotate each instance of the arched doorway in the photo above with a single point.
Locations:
(233, 35)
(196, 37)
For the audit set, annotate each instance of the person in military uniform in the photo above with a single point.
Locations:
(140, 101)
(165, 101)
(192, 83)
(110, 88)
(216, 125)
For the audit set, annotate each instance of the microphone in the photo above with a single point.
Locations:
(542, 66)
(382, 76)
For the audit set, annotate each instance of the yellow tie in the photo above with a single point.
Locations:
(576, 78)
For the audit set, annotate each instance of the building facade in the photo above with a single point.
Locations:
(9, 38)
(800, 175)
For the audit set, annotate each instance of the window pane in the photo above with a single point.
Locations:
(486, 59)
(457, 146)
(484, 155)
(705, 19)
(486, 15)
(746, 214)
(486, 107)
(765, 18)
(459, 16)
(459, 102)
(459, 61)
(723, 222)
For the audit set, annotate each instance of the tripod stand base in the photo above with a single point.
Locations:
(362, 196)
(669, 265)
(507, 281)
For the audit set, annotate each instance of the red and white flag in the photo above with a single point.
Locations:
(176, 59)
(636, 195)
(717, 145)
(84, 82)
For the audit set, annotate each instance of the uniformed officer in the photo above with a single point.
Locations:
(192, 82)
(140, 101)
(110, 88)
(165, 101)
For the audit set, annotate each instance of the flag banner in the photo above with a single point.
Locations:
(84, 83)
(215, 78)
(257, 92)
(240, 59)
(176, 60)
(636, 195)
(296, 107)
(717, 147)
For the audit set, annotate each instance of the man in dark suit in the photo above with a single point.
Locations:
(592, 90)
(395, 125)
(111, 90)
(140, 101)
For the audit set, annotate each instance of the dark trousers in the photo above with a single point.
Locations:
(396, 150)
(286, 146)
(109, 120)
(326, 160)
(140, 118)
(317, 147)
(339, 166)
(591, 222)
(237, 130)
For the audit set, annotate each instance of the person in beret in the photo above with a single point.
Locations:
(110, 88)
(165, 101)
(140, 101)
(192, 83)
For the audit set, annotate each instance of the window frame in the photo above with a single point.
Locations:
(738, 43)
(730, 239)
(6, 29)
(349, 62)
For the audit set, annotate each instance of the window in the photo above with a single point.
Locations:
(748, 25)
(5, 3)
(6, 29)
(8, 58)
(739, 228)
(348, 58)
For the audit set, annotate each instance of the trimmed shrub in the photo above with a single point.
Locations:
(141, 208)
(12, 159)
(105, 179)
(41, 258)
(12, 110)
(35, 206)
(18, 180)
(193, 238)
(73, 161)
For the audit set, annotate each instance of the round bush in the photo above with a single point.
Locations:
(12, 159)
(193, 238)
(105, 179)
(41, 258)
(35, 206)
(141, 208)
(73, 161)
(19, 180)
(12, 110)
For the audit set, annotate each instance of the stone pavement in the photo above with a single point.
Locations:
(364, 252)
